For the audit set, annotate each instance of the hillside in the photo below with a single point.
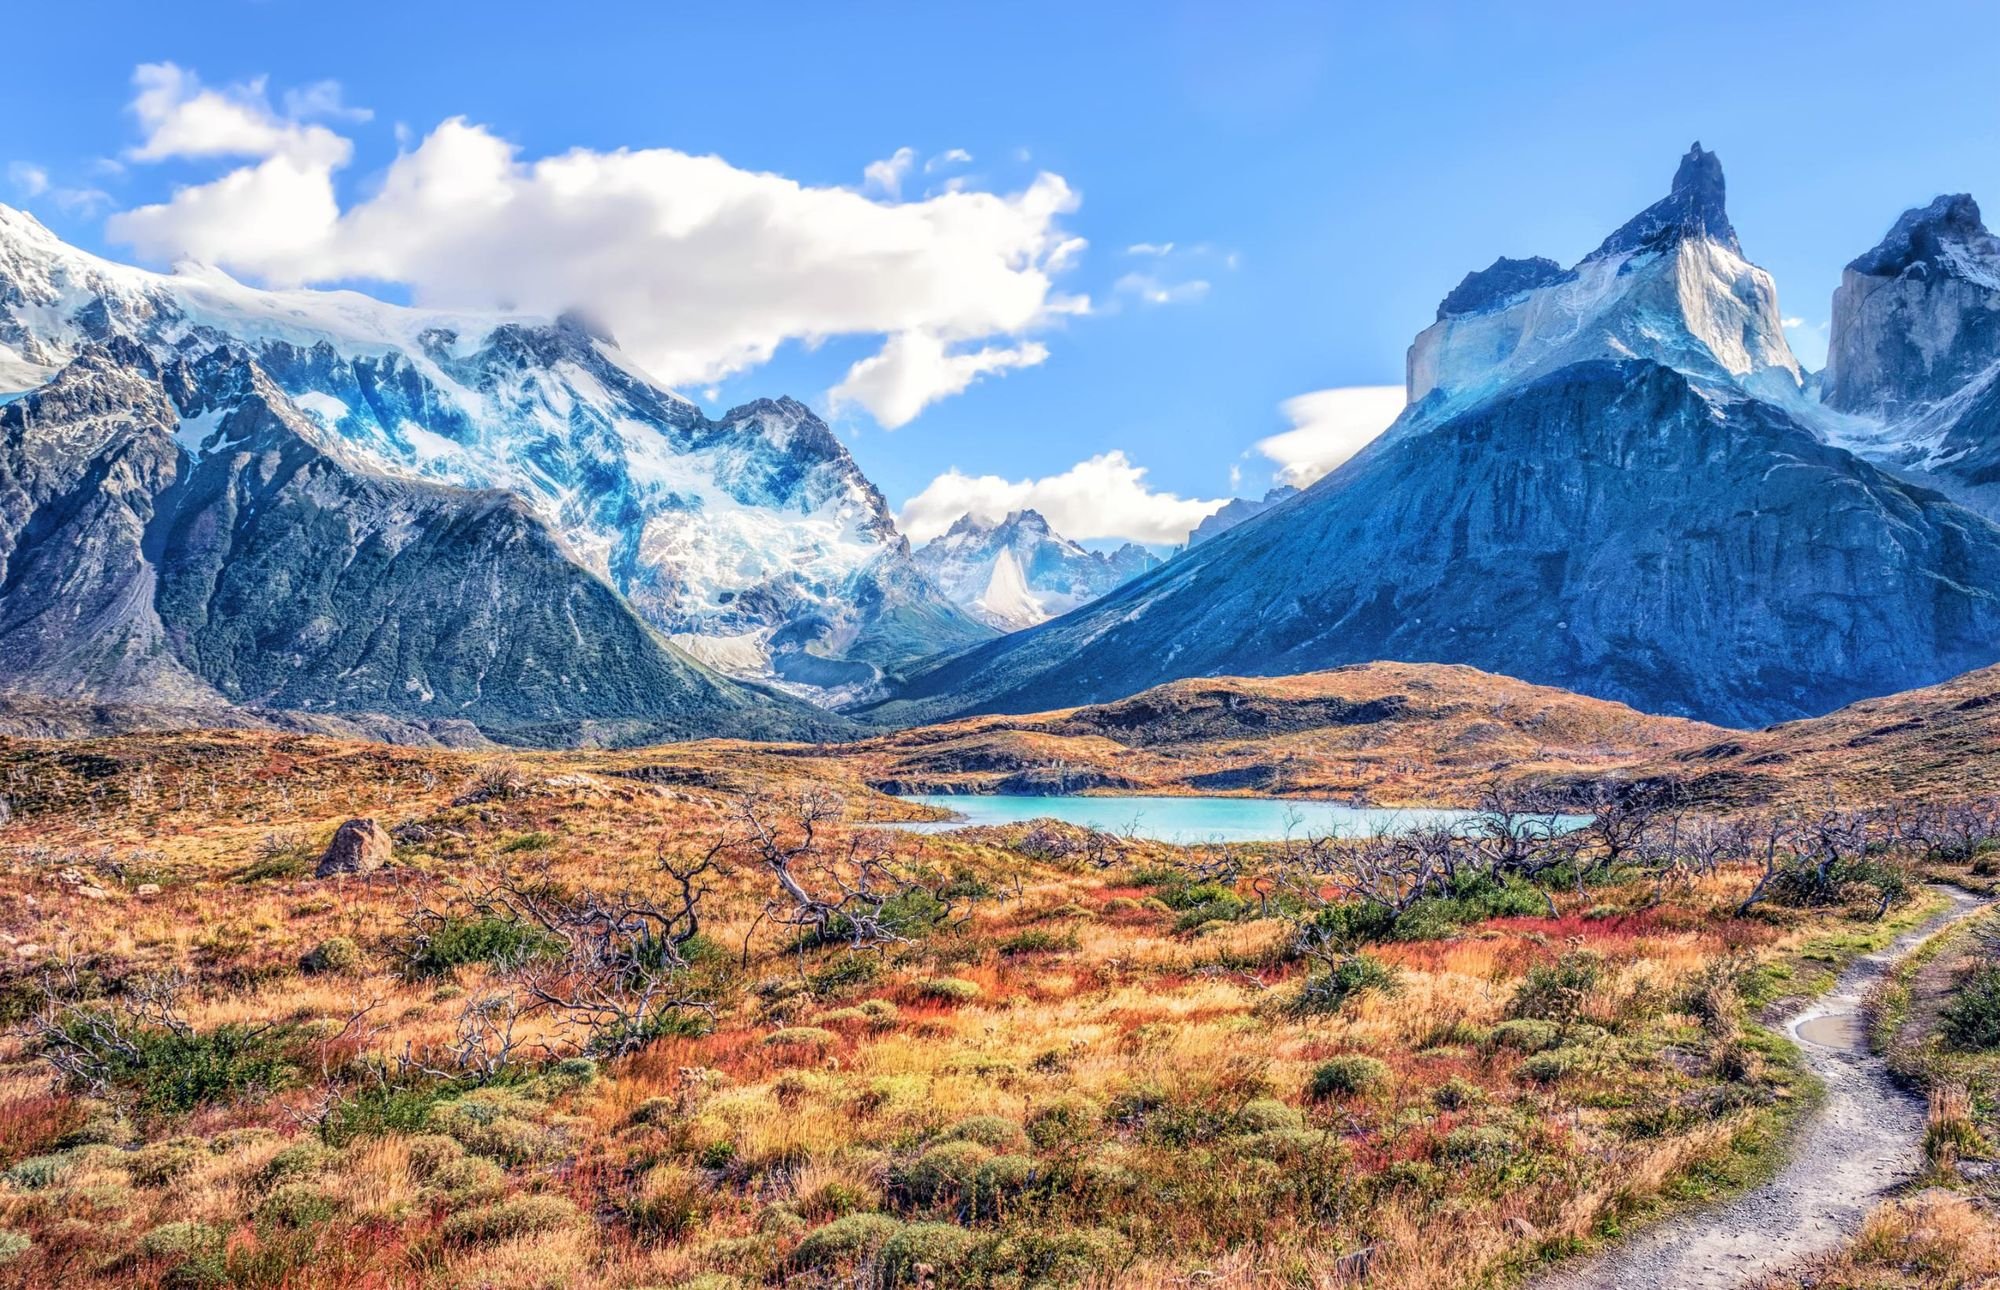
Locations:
(1942, 741)
(1391, 733)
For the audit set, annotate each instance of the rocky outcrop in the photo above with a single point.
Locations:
(359, 847)
(1918, 317)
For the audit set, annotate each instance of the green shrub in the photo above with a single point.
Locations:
(1456, 1094)
(845, 1241)
(1548, 1067)
(430, 1152)
(1032, 1257)
(162, 1162)
(467, 1178)
(993, 1131)
(194, 1252)
(1351, 977)
(170, 1072)
(504, 1220)
(946, 989)
(303, 1159)
(13, 1245)
(1526, 1035)
(801, 1037)
(334, 954)
(1476, 1144)
(1068, 1124)
(844, 975)
(456, 941)
(1558, 991)
(298, 1204)
(931, 1253)
(1262, 1114)
(944, 1172)
(1972, 1019)
(37, 1172)
(1346, 1076)
(494, 1127)
(1038, 940)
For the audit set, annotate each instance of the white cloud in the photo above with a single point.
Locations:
(1328, 427)
(81, 201)
(1153, 290)
(886, 176)
(1794, 322)
(916, 368)
(699, 268)
(949, 157)
(1150, 248)
(1104, 497)
(30, 179)
(182, 118)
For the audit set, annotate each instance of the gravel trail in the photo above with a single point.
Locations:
(1856, 1146)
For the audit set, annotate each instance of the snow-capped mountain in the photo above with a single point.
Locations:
(1611, 477)
(182, 536)
(1019, 572)
(753, 540)
(1913, 364)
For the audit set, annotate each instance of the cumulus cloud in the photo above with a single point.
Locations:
(701, 269)
(915, 369)
(183, 118)
(949, 157)
(1104, 497)
(1328, 427)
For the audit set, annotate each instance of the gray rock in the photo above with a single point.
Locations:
(359, 847)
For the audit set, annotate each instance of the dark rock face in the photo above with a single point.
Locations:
(1501, 280)
(1694, 207)
(1610, 528)
(358, 847)
(242, 558)
(1918, 317)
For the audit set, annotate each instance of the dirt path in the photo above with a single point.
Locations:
(1858, 1144)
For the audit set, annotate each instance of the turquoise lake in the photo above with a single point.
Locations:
(1186, 819)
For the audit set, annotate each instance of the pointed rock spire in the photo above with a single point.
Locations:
(1694, 207)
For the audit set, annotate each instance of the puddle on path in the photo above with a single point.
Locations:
(1836, 1030)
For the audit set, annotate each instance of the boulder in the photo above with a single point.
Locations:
(358, 846)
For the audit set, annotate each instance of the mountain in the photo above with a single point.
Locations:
(1913, 360)
(753, 539)
(1019, 572)
(1605, 481)
(182, 535)
(1238, 510)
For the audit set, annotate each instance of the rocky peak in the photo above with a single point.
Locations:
(1917, 317)
(1500, 281)
(1694, 207)
(1946, 235)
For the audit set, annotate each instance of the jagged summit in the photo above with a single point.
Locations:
(1948, 234)
(1694, 207)
(1670, 286)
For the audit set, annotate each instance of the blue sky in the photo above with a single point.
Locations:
(1328, 171)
